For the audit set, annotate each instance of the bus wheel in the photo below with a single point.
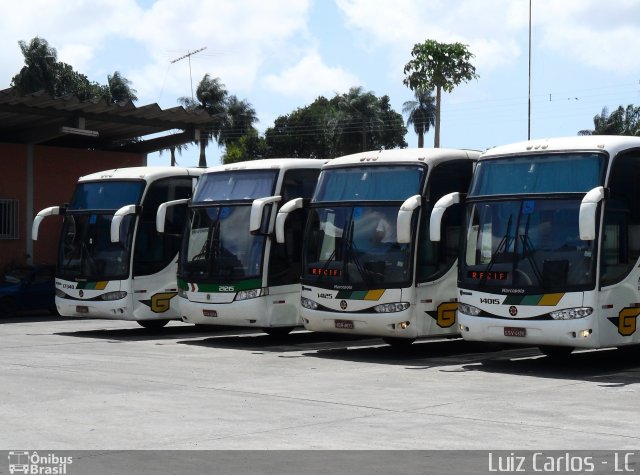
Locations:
(398, 342)
(277, 331)
(556, 351)
(152, 324)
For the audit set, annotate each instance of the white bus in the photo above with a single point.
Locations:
(111, 261)
(369, 267)
(232, 271)
(551, 244)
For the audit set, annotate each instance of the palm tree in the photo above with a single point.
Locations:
(366, 108)
(239, 120)
(211, 96)
(620, 122)
(120, 89)
(422, 113)
(40, 69)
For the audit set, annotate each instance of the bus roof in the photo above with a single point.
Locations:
(269, 163)
(612, 144)
(430, 156)
(148, 174)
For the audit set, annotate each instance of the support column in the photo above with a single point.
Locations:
(29, 203)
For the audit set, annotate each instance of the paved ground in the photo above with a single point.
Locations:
(94, 384)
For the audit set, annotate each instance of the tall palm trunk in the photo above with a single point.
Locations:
(436, 138)
(421, 138)
(203, 144)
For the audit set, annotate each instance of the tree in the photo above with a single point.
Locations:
(43, 71)
(361, 114)
(620, 122)
(248, 147)
(238, 121)
(439, 66)
(345, 124)
(120, 89)
(211, 96)
(422, 113)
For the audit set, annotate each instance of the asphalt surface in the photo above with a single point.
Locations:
(109, 385)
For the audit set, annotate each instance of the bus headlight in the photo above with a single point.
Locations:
(308, 303)
(469, 309)
(113, 296)
(571, 313)
(251, 294)
(182, 292)
(391, 307)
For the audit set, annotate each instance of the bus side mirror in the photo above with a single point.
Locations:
(161, 215)
(287, 208)
(256, 224)
(587, 216)
(51, 211)
(435, 221)
(403, 224)
(117, 220)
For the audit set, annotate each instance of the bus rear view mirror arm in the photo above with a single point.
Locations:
(281, 218)
(403, 224)
(435, 222)
(161, 215)
(588, 209)
(257, 208)
(51, 211)
(117, 220)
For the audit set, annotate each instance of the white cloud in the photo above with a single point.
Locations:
(309, 78)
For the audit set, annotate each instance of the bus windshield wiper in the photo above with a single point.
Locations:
(503, 245)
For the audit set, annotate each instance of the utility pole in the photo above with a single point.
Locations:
(529, 113)
(188, 56)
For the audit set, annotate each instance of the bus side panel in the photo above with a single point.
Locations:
(155, 296)
(436, 306)
(618, 312)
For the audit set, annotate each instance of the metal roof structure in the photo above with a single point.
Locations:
(39, 118)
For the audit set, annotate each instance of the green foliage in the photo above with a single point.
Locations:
(622, 121)
(347, 123)
(438, 65)
(43, 71)
(422, 113)
(248, 147)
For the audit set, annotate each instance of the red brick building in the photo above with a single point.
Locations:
(47, 143)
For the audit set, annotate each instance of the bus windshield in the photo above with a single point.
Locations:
(106, 194)
(86, 250)
(235, 185)
(370, 183)
(530, 244)
(541, 173)
(219, 248)
(355, 246)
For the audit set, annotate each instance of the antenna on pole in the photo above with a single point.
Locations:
(188, 56)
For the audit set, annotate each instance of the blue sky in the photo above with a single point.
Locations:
(281, 54)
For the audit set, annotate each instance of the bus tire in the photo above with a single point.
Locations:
(557, 352)
(152, 324)
(277, 331)
(398, 342)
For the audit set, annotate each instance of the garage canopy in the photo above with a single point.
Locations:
(39, 118)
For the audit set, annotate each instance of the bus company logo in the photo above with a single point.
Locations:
(626, 321)
(81, 293)
(343, 304)
(513, 311)
(22, 461)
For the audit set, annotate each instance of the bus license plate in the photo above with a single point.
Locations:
(344, 324)
(515, 331)
(82, 309)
